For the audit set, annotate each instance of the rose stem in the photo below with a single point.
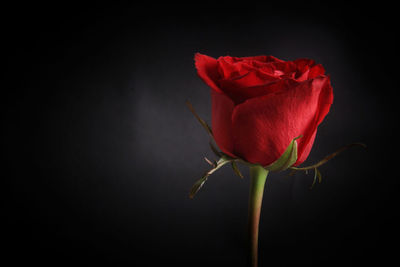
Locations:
(258, 177)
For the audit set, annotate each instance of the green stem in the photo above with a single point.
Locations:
(258, 177)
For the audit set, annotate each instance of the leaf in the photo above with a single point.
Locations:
(236, 169)
(288, 158)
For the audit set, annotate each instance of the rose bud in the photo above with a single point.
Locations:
(263, 107)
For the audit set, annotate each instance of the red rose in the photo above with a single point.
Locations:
(260, 104)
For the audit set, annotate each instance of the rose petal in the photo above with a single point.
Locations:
(284, 67)
(321, 83)
(239, 94)
(207, 69)
(303, 76)
(222, 108)
(264, 59)
(303, 64)
(264, 126)
(316, 71)
(306, 149)
(228, 69)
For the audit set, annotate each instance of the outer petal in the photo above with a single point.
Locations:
(222, 108)
(321, 83)
(264, 126)
(207, 69)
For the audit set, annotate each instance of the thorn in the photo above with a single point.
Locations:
(209, 162)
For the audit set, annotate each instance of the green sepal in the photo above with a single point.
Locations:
(236, 169)
(214, 149)
(288, 158)
(202, 122)
(327, 158)
(317, 174)
(199, 184)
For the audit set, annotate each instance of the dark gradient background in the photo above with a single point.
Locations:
(101, 151)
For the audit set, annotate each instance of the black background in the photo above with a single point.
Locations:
(101, 151)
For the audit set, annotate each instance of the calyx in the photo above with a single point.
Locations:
(284, 162)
